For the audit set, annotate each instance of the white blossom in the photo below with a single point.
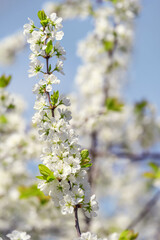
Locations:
(16, 235)
(67, 183)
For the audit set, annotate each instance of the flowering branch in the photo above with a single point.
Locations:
(63, 172)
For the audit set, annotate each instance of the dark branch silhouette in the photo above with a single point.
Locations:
(137, 157)
(147, 208)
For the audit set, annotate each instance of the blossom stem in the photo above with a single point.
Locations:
(77, 221)
(48, 95)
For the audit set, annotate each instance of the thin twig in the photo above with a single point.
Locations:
(137, 157)
(99, 1)
(48, 95)
(77, 221)
(93, 152)
(145, 211)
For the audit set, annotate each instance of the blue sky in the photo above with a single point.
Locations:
(145, 65)
(144, 72)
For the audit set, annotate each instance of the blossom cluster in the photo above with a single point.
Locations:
(16, 235)
(10, 46)
(105, 53)
(64, 175)
(92, 236)
(69, 9)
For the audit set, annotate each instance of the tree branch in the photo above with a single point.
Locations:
(77, 221)
(145, 211)
(137, 157)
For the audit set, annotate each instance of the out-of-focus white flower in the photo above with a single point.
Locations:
(16, 235)
(10, 46)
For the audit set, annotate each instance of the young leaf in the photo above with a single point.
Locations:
(157, 174)
(50, 178)
(154, 166)
(3, 119)
(108, 45)
(33, 191)
(113, 104)
(45, 171)
(27, 192)
(54, 97)
(47, 174)
(114, 1)
(49, 47)
(11, 106)
(4, 81)
(50, 67)
(84, 153)
(149, 175)
(85, 161)
(128, 235)
(86, 165)
(41, 177)
(140, 106)
(41, 14)
(44, 22)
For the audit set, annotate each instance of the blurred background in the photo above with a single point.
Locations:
(121, 142)
(144, 71)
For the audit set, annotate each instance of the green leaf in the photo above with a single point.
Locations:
(84, 153)
(55, 97)
(86, 165)
(41, 14)
(44, 22)
(114, 1)
(140, 106)
(47, 174)
(91, 10)
(44, 199)
(4, 81)
(33, 191)
(108, 45)
(27, 192)
(3, 119)
(51, 177)
(45, 171)
(113, 104)
(48, 178)
(154, 166)
(85, 160)
(41, 177)
(157, 174)
(11, 106)
(149, 175)
(128, 235)
(50, 67)
(49, 47)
